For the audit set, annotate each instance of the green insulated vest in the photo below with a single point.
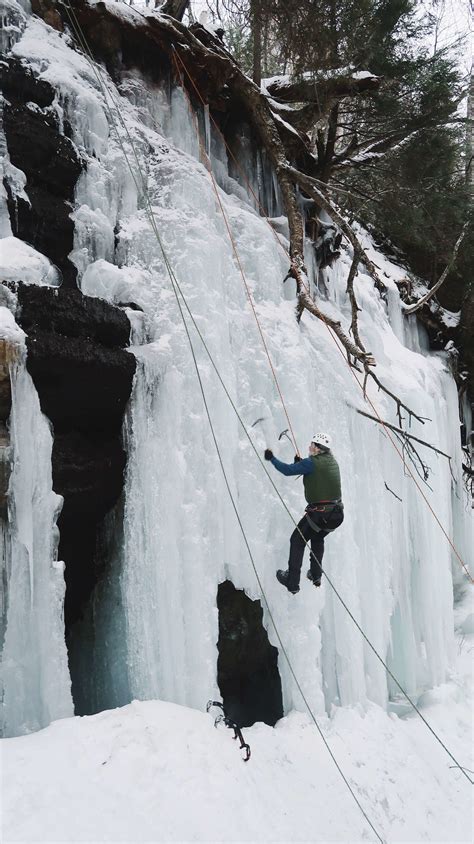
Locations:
(324, 484)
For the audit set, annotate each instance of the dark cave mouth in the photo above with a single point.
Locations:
(247, 664)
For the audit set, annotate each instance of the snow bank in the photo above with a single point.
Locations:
(158, 772)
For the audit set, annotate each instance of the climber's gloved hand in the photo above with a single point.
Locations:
(268, 454)
(297, 458)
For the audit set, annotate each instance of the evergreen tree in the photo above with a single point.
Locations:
(398, 149)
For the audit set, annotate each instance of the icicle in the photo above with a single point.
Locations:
(34, 675)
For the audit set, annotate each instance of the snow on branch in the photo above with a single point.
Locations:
(322, 89)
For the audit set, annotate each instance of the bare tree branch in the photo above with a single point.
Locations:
(411, 309)
(405, 434)
(398, 401)
(310, 186)
(321, 90)
(354, 307)
(174, 8)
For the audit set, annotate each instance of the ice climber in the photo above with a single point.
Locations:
(324, 512)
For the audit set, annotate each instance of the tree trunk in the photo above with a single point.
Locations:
(256, 26)
(174, 8)
(470, 139)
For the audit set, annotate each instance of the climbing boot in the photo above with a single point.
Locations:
(282, 577)
(310, 577)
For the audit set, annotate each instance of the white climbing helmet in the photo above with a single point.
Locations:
(322, 439)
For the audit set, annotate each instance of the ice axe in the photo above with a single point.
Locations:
(285, 434)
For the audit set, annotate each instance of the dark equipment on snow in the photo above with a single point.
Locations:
(224, 719)
(257, 421)
(268, 454)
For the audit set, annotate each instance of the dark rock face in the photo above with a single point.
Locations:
(466, 337)
(69, 312)
(84, 380)
(50, 162)
(247, 667)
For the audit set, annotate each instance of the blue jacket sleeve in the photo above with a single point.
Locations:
(303, 467)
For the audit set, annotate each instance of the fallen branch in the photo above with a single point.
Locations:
(306, 303)
(416, 439)
(398, 401)
(411, 309)
(354, 306)
(310, 186)
(404, 433)
(409, 450)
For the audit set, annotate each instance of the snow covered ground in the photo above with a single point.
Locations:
(158, 772)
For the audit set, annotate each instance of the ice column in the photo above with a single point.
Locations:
(34, 676)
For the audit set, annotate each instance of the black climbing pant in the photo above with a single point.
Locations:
(326, 522)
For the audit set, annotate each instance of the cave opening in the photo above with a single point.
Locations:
(247, 665)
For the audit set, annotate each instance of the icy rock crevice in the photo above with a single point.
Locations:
(84, 377)
(74, 358)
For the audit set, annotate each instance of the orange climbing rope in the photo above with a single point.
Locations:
(236, 254)
(250, 298)
(241, 170)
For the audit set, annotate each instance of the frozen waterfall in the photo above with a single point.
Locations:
(153, 625)
(34, 675)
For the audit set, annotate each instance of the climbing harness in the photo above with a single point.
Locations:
(329, 507)
(223, 718)
(177, 290)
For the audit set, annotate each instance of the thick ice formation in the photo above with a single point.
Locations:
(20, 262)
(34, 674)
(156, 623)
